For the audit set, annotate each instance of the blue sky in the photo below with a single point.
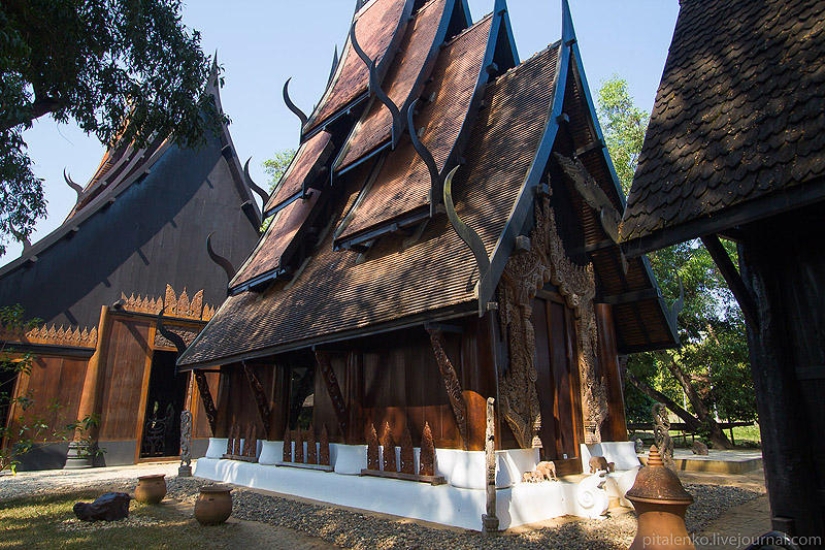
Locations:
(262, 43)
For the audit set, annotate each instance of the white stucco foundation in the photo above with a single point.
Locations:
(460, 502)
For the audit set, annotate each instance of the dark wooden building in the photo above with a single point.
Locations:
(736, 149)
(362, 295)
(134, 243)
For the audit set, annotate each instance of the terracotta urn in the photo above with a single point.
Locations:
(660, 502)
(151, 489)
(214, 504)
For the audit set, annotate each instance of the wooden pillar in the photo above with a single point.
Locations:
(92, 384)
(768, 260)
(615, 426)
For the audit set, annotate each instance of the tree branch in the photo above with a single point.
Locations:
(692, 422)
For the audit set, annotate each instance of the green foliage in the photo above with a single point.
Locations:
(275, 168)
(624, 127)
(714, 354)
(277, 165)
(100, 63)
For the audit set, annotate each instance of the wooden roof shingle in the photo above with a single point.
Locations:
(738, 128)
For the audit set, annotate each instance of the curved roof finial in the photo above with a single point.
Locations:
(176, 339)
(291, 106)
(254, 186)
(426, 156)
(375, 88)
(225, 264)
(70, 182)
(334, 65)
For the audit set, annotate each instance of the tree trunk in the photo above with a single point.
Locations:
(691, 421)
(717, 437)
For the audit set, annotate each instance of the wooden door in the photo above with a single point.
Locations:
(557, 382)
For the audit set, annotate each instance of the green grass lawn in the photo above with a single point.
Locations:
(48, 522)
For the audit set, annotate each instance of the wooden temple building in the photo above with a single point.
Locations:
(736, 150)
(446, 233)
(134, 243)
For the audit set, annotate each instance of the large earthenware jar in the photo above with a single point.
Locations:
(214, 504)
(150, 489)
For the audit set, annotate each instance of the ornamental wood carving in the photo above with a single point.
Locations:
(287, 454)
(388, 442)
(451, 383)
(312, 450)
(323, 448)
(187, 335)
(206, 400)
(407, 454)
(524, 275)
(50, 335)
(372, 449)
(427, 459)
(299, 446)
(180, 306)
(334, 390)
(260, 397)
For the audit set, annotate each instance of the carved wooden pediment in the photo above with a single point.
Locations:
(50, 335)
(177, 305)
(524, 275)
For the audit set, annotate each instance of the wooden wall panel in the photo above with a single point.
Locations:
(55, 384)
(128, 357)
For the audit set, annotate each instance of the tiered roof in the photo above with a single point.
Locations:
(369, 249)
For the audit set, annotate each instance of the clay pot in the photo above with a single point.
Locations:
(214, 504)
(150, 489)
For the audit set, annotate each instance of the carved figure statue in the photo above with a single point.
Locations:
(600, 463)
(700, 448)
(185, 469)
(661, 433)
(545, 471)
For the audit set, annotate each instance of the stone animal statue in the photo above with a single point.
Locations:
(545, 471)
(598, 463)
(700, 448)
(661, 433)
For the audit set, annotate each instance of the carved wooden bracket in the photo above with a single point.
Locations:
(206, 399)
(451, 383)
(260, 397)
(334, 391)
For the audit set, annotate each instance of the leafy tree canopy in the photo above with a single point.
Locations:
(624, 127)
(101, 63)
(708, 377)
(277, 165)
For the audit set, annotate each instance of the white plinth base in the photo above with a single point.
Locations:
(460, 503)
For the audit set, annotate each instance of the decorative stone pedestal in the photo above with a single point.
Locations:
(79, 456)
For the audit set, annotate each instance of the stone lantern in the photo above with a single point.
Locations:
(660, 502)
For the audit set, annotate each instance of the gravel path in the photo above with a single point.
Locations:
(365, 530)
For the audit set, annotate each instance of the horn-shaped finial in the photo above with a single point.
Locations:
(426, 156)
(176, 339)
(375, 88)
(334, 65)
(468, 235)
(225, 264)
(254, 186)
(291, 106)
(77, 188)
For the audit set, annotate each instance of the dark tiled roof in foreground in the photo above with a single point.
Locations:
(376, 27)
(739, 115)
(403, 183)
(336, 293)
(418, 46)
